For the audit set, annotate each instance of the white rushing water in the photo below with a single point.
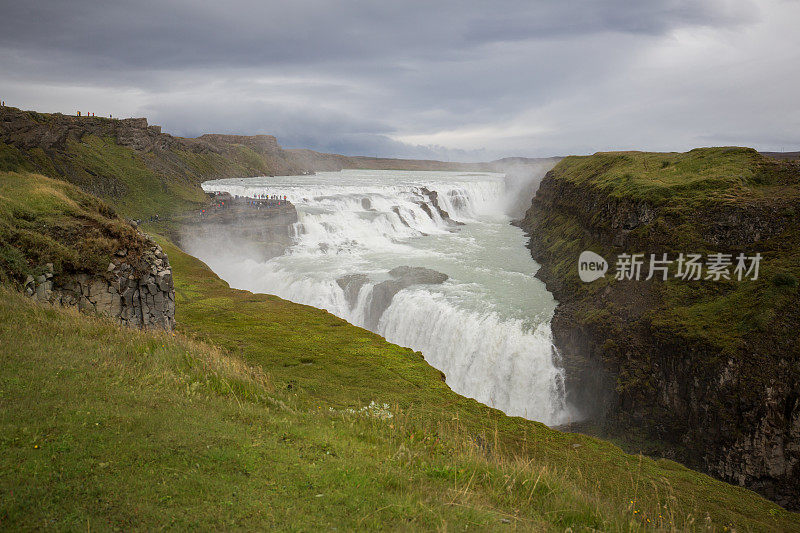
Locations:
(487, 327)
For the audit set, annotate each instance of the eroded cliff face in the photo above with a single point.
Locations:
(62, 246)
(137, 294)
(260, 231)
(658, 357)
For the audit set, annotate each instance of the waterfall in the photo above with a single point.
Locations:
(429, 261)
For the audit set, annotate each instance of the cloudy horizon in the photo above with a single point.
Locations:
(447, 80)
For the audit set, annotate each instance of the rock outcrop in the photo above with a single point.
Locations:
(351, 285)
(27, 131)
(431, 198)
(401, 278)
(140, 296)
(380, 297)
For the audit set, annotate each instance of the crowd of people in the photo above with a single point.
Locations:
(258, 201)
(223, 200)
(90, 114)
(87, 114)
(272, 197)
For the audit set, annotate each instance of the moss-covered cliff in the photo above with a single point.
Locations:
(63, 246)
(708, 368)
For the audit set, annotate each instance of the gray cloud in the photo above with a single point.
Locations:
(449, 79)
(155, 34)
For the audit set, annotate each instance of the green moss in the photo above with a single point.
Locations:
(12, 159)
(680, 189)
(13, 264)
(201, 164)
(784, 279)
(698, 176)
(122, 175)
(251, 160)
(724, 314)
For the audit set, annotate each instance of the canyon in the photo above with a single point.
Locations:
(706, 374)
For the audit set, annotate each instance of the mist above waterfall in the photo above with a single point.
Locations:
(522, 179)
(426, 259)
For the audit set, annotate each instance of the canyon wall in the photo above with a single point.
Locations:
(708, 371)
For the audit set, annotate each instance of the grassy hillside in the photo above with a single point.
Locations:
(43, 220)
(142, 171)
(105, 427)
(260, 413)
(113, 172)
(709, 174)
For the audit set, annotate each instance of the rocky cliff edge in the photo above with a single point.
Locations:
(64, 247)
(708, 371)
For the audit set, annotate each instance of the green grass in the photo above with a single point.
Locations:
(109, 428)
(13, 159)
(726, 315)
(698, 176)
(135, 188)
(115, 173)
(43, 220)
(238, 162)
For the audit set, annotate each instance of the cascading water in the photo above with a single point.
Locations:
(487, 327)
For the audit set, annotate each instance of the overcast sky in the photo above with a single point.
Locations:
(447, 79)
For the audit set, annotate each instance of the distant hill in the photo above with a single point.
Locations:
(323, 161)
(788, 156)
